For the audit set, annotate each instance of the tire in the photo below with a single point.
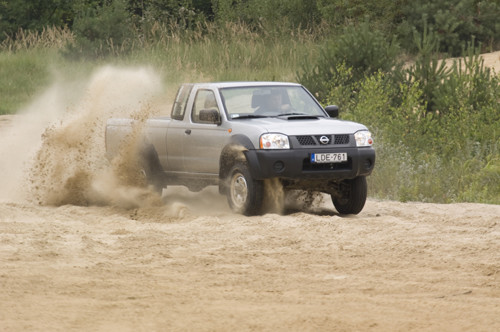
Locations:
(244, 194)
(352, 196)
(152, 169)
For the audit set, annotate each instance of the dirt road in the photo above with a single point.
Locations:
(396, 266)
(82, 249)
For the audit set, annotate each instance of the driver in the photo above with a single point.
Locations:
(273, 103)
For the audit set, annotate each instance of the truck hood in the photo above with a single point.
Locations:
(301, 126)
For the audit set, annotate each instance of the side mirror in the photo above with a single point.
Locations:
(332, 110)
(210, 116)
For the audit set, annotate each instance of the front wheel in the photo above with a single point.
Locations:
(352, 196)
(244, 194)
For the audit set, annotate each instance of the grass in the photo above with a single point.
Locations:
(28, 62)
(21, 76)
(453, 158)
(25, 65)
(232, 53)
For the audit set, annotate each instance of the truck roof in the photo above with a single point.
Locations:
(243, 84)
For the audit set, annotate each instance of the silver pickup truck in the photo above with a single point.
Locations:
(238, 134)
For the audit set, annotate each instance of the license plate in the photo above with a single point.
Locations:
(328, 157)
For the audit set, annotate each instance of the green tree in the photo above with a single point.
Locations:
(268, 16)
(361, 49)
(384, 14)
(102, 30)
(33, 15)
(454, 22)
(184, 13)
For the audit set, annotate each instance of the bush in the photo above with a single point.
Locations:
(441, 156)
(383, 14)
(437, 131)
(464, 84)
(102, 31)
(427, 70)
(184, 14)
(453, 22)
(35, 16)
(469, 85)
(269, 16)
(360, 48)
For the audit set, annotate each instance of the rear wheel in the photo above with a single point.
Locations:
(352, 196)
(244, 193)
(151, 169)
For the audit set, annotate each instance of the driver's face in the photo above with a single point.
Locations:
(275, 100)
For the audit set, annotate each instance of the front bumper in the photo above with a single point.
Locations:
(295, 164)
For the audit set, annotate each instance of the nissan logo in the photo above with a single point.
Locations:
(324, 140)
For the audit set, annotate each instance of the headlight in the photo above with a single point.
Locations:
(363, 138)
(274, 141)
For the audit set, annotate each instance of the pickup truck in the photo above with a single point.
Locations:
(236, 135)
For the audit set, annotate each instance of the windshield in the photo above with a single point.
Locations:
(262, 101)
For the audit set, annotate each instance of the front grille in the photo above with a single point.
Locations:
(341, 139)
(306, 140)
(315, 140)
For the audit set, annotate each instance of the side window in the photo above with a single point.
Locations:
(205, 107)
(179, 107)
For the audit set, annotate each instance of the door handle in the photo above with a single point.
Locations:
(188, 131)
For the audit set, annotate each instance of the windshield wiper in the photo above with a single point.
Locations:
(298, 115)
(293, 113)
(248, 116)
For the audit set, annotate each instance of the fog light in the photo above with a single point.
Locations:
(278, 166)
(368, 163)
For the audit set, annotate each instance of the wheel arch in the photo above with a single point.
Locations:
(236, 150)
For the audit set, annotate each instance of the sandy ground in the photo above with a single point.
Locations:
(80, 249)
(396, 267)
(491, 60)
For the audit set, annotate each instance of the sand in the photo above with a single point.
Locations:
(396, 266)
(84, 248)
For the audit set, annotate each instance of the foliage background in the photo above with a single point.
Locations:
(437, 127)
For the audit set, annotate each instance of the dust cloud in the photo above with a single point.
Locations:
(53, 151)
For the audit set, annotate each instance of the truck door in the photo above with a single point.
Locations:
(204, 138)
(176, 131)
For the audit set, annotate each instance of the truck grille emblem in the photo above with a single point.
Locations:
(324, 140)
